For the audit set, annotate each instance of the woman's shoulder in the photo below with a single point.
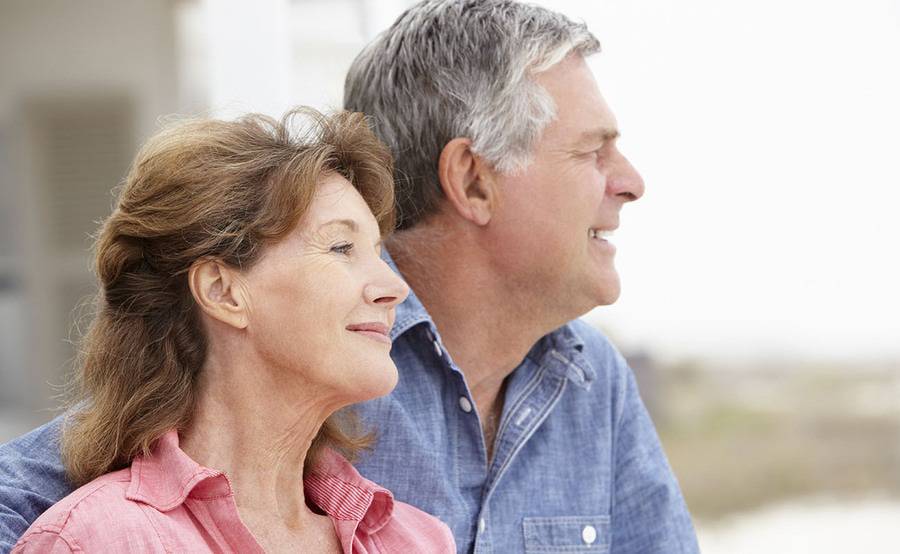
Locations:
(82, 520)
(412, 530)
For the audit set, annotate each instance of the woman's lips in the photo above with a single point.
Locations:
(374, 330)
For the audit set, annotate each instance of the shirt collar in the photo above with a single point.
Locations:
(568, 347)
(168, 477)
(340, 491)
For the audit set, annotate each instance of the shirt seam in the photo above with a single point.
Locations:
(377, 540)
(209, 498)
(153, 526)
(52, 529)
(78, 504)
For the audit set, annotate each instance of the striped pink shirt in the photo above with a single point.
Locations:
(167, 502)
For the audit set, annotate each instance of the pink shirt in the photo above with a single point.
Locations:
(169, 503)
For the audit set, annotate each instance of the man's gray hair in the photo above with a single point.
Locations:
(460, 68)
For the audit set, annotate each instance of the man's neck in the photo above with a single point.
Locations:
(486, 329)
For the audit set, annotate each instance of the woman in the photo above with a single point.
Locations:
(243, 302)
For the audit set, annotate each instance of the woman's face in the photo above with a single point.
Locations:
(321, 301)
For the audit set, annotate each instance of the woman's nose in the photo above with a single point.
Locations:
(388, 289)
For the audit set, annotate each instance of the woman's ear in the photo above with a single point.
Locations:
(219, 292)
(468, 182)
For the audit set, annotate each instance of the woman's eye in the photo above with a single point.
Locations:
(342, 248)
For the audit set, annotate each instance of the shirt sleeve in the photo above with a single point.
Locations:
(649, 512)
(32, 479)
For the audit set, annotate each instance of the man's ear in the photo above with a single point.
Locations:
(468, 182)
(218, 291)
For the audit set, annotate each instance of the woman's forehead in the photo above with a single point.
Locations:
(337, 202)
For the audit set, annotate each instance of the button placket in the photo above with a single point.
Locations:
(437, 346)
(541, 396)
(465, 404)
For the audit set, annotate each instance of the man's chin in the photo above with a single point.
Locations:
(602, 294)
(608, 291)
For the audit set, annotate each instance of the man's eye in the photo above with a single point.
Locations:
(342, 248)
(594, 155)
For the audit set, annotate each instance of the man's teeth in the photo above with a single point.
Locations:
(599, 234)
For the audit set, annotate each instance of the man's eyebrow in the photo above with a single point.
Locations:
(349, 223)
(595, 136)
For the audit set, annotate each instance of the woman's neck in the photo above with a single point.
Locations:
(257, 430)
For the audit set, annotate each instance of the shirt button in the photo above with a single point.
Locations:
(465, 405)
(481, 525)
(588, 534)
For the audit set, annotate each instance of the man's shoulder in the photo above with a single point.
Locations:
(605, 373)
(40, 443)
(32, 478)
(32, 462)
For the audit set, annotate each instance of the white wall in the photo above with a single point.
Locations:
(54, 51)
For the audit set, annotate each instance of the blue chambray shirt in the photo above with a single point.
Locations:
(577, 464)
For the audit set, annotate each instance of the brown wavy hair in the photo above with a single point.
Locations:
(199, 189)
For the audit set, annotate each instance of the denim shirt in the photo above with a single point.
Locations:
(577, 464)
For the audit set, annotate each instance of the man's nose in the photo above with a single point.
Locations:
(624, 181)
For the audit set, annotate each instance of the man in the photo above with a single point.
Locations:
(522, 429)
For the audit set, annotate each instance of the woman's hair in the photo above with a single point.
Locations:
(200, 189)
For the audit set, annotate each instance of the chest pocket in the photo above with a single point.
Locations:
(544, 535)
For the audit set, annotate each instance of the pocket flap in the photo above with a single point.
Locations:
(566, 534)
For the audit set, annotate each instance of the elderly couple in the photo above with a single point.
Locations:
(251, 290)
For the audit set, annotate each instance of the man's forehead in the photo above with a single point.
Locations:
(583, 118)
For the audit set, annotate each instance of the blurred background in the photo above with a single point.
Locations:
(760, 304)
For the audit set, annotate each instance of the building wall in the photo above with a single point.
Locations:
(81, 84)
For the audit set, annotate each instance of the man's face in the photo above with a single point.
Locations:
(548, 230)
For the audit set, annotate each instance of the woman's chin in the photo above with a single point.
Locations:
(380, 382)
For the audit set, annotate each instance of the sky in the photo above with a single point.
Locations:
(766, 133)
